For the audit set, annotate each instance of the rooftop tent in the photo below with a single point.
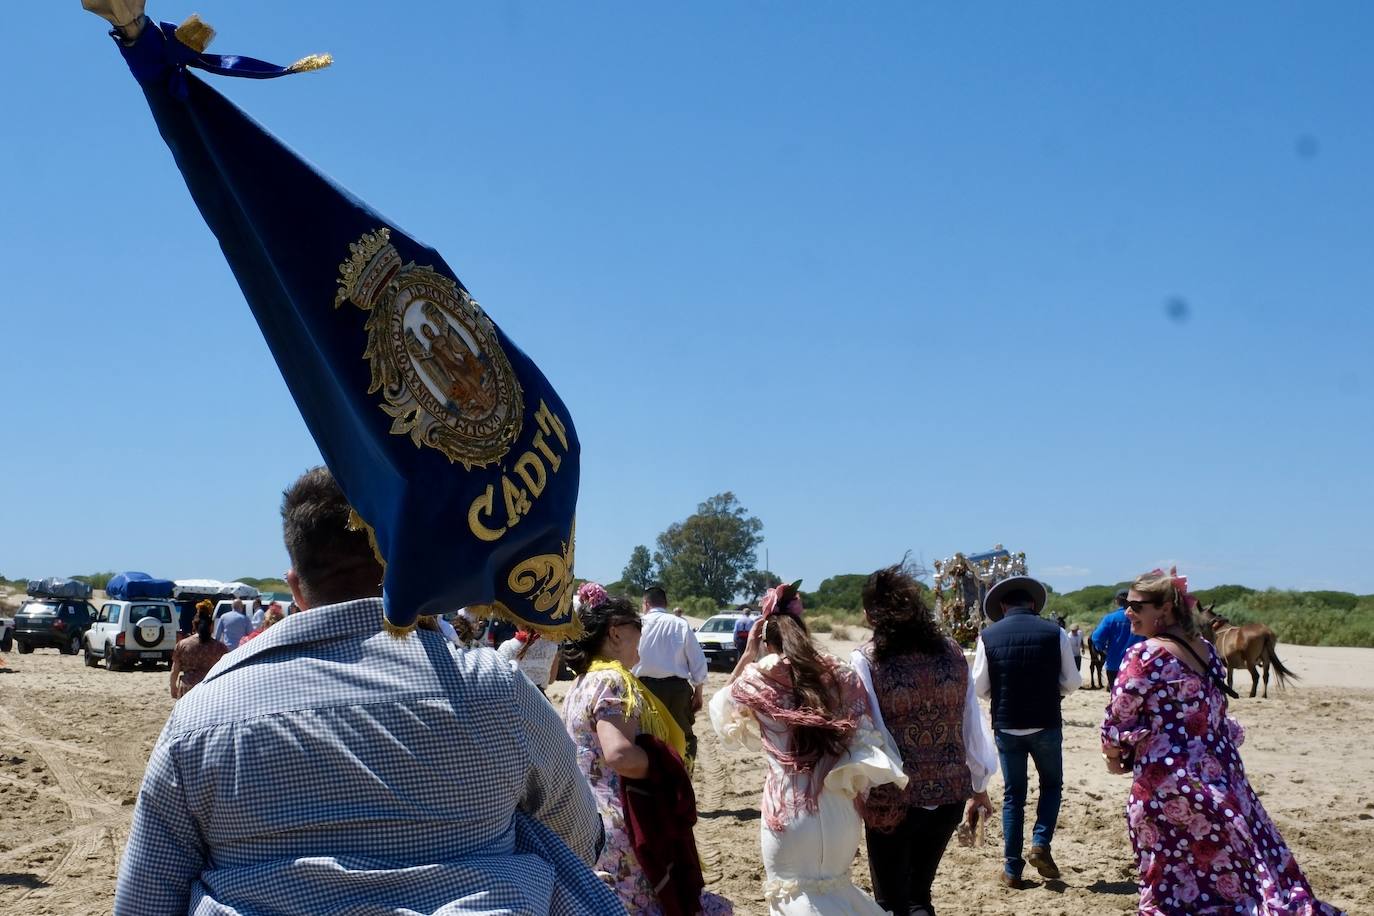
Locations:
(57, 587)
(198, 588)
(131, 586)
(212, 588)
(239, 590)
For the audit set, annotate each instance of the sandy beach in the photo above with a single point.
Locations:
(76, 740)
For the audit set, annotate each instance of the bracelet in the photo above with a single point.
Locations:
(122, 30)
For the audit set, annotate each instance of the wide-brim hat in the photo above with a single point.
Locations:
(992, 601)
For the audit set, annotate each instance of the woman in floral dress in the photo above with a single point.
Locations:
(604, 711)
(1203, 842)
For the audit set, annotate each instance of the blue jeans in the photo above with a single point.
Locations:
(1046, 749)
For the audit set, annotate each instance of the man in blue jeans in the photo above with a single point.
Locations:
(1024, 665)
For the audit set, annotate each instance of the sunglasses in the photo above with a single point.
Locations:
(636, 623)
(1137, 606)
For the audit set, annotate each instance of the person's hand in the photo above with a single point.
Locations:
(697, 699)
(1113, 760)
(125, 15)
(979, 802)
(751, 646)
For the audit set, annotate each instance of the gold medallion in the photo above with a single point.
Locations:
(435, 356)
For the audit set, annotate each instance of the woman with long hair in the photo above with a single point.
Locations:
(195, 655)
(919, 686)
(1203, 841)
(608, 714)
(810, 715)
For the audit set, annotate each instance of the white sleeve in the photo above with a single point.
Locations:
(696, 659)
(859, 662)
(981, 682)
(1070, 679)
(979, 749)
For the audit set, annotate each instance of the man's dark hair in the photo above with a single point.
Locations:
(656, 596)
(334, 563)
(1018, 597)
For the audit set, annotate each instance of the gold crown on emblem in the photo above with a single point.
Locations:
(371, 264)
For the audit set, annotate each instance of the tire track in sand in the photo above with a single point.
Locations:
(94, 822)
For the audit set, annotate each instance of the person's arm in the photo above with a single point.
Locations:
(1070, 678)
(1128, 721)
(751, 650)
(125, 16)
(981, 681)
(176, 670)
(1099, 637)
(696, 667)
(556, 793)
(619, 748)
(553, 664)
(165, 853)
(980, 751)
(980, 754)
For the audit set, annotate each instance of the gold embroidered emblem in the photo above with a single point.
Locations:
(547, 578)
(434, 353)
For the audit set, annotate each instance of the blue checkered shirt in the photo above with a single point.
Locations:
(328, 767)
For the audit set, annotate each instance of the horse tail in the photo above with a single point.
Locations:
(1282, 675)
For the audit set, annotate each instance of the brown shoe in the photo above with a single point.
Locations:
(1013, 882)
(1040, 859)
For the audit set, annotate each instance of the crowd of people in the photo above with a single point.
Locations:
(417, 774)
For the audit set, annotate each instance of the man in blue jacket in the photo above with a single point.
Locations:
(1113, 637)
(1024, 666)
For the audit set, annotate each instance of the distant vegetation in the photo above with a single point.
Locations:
(1317, 618)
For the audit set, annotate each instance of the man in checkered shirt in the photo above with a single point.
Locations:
(329, 767)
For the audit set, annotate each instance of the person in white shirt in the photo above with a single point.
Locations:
(533, 656)
(671, 663)
(259, 614)
(1076, 644)
(1024, 665)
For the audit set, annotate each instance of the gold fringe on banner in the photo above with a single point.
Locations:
(312, 62)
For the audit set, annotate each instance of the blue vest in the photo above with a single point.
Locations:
(1024, 662)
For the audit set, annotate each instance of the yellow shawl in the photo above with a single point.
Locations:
(655, 719)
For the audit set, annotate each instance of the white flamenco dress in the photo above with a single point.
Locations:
(809, 840)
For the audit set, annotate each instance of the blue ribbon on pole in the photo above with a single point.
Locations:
(163, 51)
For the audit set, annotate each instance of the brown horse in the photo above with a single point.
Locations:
(1096, 660)
(1249, 646)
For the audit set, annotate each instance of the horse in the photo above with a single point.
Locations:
(1097, 660)
(1249, 646)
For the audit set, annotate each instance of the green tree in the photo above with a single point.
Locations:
(639, 572)
(709, 552)
(758, 581)
(843, 593)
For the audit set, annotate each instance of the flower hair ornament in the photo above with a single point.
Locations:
(589, 595)
(1180, 587)
(782, 599)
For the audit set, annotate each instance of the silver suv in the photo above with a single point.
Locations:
(125, 632)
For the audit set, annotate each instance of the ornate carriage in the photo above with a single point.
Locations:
(961, 582)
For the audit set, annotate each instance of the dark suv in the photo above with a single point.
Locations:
(52, 623)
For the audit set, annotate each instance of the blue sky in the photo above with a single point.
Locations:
(1093, 282)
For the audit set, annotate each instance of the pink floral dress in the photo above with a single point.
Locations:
(1203, 841)
(601, 695)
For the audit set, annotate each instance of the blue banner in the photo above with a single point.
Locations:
(448, 441)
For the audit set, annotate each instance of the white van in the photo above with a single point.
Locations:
(125, 632)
